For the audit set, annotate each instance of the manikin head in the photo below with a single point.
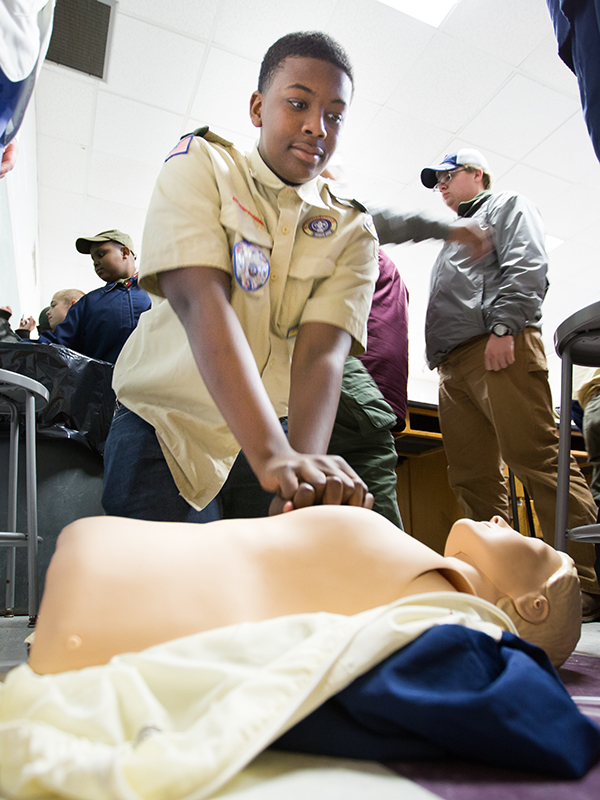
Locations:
(534, 584)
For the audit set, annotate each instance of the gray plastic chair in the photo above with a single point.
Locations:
(22, 395)
(576, 341)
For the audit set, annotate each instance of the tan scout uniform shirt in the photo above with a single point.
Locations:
(205, 201)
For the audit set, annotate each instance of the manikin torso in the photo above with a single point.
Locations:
(116, 585)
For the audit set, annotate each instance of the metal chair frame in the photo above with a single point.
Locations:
(19, 392)
(576, 341)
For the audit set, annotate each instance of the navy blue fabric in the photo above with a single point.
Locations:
(100, 323)
(138, 482)
(577, 28)
(456, 692)
(9, 97)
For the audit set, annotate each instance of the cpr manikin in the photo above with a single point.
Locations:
(119, 585)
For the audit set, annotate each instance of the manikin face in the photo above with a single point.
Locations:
(111, 261)
(300, 116)
(57, 312)
(514, 564)
(462, 187)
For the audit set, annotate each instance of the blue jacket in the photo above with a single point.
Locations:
(100, 323)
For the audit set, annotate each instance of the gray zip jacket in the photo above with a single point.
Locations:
(467, 297)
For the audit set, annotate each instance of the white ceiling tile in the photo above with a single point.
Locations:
(223, 96)
(152, 65)
(61, 164)
(64, 104)
(540, 187)
(121, 180)
(193, 18)
(249, 29)
(134, 130)
(507, 29)
(568, 153)
(365, 188)
(382, 44)
(444, 88)
(545, 65)
(572, 211)
(60, 208)
(519, 117)
(394, 146)
(58, 243)
(75, 272)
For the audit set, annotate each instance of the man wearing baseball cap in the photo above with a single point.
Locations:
(100, 323)
(482, 333)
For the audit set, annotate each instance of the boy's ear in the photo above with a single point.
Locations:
(256, 103)
(125, 251)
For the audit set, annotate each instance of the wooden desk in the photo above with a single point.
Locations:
(427, 504)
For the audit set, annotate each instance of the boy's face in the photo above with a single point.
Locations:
(57, 312)
(111, 261)
(300, 116)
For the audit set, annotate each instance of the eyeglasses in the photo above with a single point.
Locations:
(446, 178)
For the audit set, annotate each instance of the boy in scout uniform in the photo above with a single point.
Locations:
(262, 283)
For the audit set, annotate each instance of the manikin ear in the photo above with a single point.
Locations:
(256, 103)
(533, 607)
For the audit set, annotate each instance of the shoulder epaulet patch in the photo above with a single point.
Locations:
(183, 145)
(349, 202)
(207, 134)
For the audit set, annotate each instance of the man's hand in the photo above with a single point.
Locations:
(473, 235)
(9, 157)
(499, 352)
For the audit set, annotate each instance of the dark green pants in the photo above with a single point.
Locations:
(362, 435)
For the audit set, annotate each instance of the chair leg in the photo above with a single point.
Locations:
(564, 453)
(13, 467)
(32, 538)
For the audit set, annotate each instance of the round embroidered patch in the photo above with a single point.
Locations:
(320, 226)
(250, 266)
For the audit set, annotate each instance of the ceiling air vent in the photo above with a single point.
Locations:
(80, 35)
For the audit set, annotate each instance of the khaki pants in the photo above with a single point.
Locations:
(488, 417)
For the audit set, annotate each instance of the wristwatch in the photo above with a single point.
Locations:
(500, 329)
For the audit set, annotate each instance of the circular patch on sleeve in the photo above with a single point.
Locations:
(250, 266)
(320, 226)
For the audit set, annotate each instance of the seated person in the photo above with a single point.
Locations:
(100, 323)
(60, 304)
(109, 577)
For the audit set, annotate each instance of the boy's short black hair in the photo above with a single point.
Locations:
(305, 44)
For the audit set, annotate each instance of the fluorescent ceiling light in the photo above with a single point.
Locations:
(433, 12)
(552, 243)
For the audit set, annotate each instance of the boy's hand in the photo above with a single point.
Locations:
(321, 480)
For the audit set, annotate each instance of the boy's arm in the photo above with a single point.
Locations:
(316, 379)
(200, 298)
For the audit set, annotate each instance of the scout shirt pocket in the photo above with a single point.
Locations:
(250, 247)
(304, 277)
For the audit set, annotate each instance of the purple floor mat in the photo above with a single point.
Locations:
(458, 780)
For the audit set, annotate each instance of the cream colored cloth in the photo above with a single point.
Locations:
(275, 775)
(181, 719)
(206, 201)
